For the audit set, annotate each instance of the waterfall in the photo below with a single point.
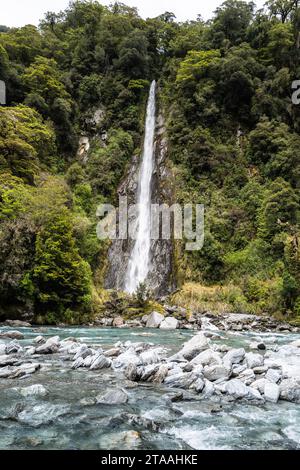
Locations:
(139, 262)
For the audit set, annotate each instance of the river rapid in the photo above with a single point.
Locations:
(66, 416)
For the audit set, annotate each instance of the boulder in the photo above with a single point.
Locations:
(118, 322)
(100, 362)
(238, 369)
(223, 348)
(271, 392)
(83, 352)
(78, 363)
(254, 360)
(260, 370)
(154, 320)
(181, 380)
(151, 357)
(273, 375)
(161, 374)
(47, 349)
(216, 372)
(169, 323)
(113, 397)
(17, 323)
(12, 335)
(24, 369)
(247, 376)
(113, 352)
(259, 385)
(131, 372)
(207, 358)
(34, 390)
(13, 347)
(199, 385)
(127, 357)
(254, 394)
(144, 319)
(39, 340)
(188, 367)
(51, 346)
(6, 371)
(290, 390)
(87, 362)
(7, 360)
(235, 388)
(234, 356)
(208, 390)
(194, 346)
(147, 373)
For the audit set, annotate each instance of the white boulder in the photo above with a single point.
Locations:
(207, 358)
(254, 360)
(216, 372)
(236, 388)
(194, 346)
(34, 390)
(169, 323)
(154, 320)
(271, 392)
(234, 356)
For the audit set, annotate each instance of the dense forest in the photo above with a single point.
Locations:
(225, 88)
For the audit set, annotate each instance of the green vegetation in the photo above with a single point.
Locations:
(225, 88)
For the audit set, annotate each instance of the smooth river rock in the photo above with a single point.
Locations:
(169, 323)
(290, 390)
(113, 397)
(12, 335)
(216, 372)
(193, 347)
(271, 392)
(154, 320)
(235, 356)
(34, 390)
(254, 360)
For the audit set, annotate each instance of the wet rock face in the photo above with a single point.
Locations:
(160, 279)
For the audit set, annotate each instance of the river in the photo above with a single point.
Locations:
(66, 418)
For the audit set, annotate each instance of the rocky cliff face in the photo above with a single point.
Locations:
(161, 279)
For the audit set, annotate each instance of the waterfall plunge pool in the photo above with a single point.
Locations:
(66, 419)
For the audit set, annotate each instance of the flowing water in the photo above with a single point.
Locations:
(66, 418)
(139, 262)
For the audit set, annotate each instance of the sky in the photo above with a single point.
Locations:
(21, 12)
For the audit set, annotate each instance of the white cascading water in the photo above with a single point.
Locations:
(139, 262)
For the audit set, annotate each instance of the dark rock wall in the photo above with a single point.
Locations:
(161, 279)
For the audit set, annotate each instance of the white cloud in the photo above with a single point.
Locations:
(21, 12)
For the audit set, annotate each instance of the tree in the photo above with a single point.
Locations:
(25, 142)
(275, 150)
(280, 46)
(60, 277)
(291, 279)
(196, 64)
(282, 8)
(48, 94)
(231, 21)
(22, 44)
(167, 17)
(133, 56)
(279, 211)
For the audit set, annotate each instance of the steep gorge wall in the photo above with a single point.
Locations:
(161, 277)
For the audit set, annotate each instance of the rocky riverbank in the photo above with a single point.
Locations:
(179, 318)
(205, 366)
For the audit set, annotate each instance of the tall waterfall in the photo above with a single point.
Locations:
(139, 262)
